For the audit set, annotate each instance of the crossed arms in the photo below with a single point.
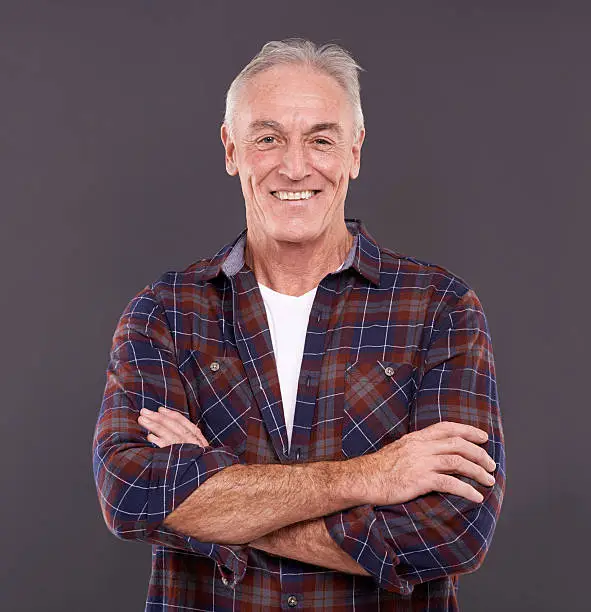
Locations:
(276, 508)
(279, 509)
(418, 509)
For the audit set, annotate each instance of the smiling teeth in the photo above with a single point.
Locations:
(293, 195)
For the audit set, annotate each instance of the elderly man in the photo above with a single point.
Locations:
(307, 419)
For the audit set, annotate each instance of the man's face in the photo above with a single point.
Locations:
(294, 150)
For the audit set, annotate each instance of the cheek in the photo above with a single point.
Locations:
(333, 167)
(258, 164)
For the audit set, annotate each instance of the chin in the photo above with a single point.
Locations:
(294, 230)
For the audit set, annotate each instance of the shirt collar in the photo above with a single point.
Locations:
(364, 255)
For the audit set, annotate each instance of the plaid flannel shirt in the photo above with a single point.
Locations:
(393, 345)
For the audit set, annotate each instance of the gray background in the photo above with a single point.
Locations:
(477, 158)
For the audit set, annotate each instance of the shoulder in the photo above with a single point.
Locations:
(198, 275)
(202, 276)
(443, 298)
(171, 290)
(408, 272)
(174, 297)
(175, 304)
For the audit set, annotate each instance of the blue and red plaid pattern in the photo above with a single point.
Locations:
(393, 345)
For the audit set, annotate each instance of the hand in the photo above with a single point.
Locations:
(423, 461)
(170, 427)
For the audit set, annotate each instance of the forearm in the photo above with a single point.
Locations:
(310, 542)
(244, 502)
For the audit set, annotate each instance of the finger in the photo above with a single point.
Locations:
(456, 464)
(200, 437)
(445, 483)
(173, 429)
(175, 416)
(460, 446)
(445, 429)
(156, 440)
(182, 424)
(186, 423)
(175, 421)
(161, 428)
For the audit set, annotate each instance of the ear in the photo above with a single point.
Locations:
(230, 147)
(354, 172)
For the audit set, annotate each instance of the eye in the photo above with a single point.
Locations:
(267, 140)
(322, 141)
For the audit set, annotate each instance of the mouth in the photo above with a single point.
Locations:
(295, 195)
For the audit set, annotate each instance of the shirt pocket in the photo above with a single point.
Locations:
(224, 399)
(377, 396)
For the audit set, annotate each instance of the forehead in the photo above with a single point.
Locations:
(293, 94)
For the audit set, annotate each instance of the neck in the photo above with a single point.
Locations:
(295, 268)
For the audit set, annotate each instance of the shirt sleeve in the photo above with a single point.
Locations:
(138, 483)
(437, 534)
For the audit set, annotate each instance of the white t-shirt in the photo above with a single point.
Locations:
(288, 322)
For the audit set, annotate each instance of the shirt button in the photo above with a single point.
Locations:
(292, 601)
(389, 371)
(225, 581)
(214, 366)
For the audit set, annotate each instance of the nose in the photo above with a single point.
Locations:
(294, 163)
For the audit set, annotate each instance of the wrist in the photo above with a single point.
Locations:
(359, 470)
(346, 482)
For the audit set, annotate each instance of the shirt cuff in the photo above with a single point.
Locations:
(357, 532)
(176, 486)
(232, 565)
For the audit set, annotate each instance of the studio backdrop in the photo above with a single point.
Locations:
(477, 158)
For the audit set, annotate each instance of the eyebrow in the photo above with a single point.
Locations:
(262, 124)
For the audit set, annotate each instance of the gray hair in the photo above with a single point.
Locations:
(330, 58)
